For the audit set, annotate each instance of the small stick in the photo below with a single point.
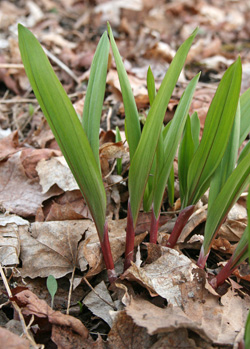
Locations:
(87, 282)
(18, 310)
(70, 290)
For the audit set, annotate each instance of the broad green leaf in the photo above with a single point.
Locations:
(65, 125)
(195, 129)
(245, 115)
(228, 195)
(151, 86)
(93, 102)
(170, 186)
(52, 287)
(217, 129)
(171, 143)
(228, 161)
(185, 155)
(133, 130)
(118, 138)
(143, 158)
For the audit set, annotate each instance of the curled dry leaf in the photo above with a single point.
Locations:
(9, 145)
(164, 276)
(30, 158)
(32, 305)
(56, 171)
(19, 194)
(206, 314)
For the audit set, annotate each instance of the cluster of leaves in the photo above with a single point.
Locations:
(209, 163)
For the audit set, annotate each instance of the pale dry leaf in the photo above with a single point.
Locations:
(53, 248)
(10, 228)
(9, 146)
(18, 193)
(56, 171)
(97, 306)
(164, 276)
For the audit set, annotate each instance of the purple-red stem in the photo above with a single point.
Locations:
(179, 225)
(154, 228)
(225, 272)
(107, 255)
(130, 239)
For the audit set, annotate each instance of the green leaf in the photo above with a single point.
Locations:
(171, 142)
(247, 332)
(133, 130)
(228, 161)
(65, 125)
(185, 155)
(244, 152)
(93, 102)
(151, 86)
(195, 129)
(171, 187)
(52, 288)
(143, 158)
(245, 115)
(118, 138)
(217, 129)
(228, 195)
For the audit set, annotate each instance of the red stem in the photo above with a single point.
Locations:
(202, 258)
(107, 255)
(130, 239)
(154, 228)
(179, 225)
(225, 272)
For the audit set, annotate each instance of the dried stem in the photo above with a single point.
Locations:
(130, 239)
(18, 310)
(154, 227)
(179, 225)
(107, 255)
(70, 290)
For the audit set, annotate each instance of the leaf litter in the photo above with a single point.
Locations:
(45, 226)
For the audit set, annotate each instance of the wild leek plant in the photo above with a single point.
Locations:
(143, 148)
(79, 143)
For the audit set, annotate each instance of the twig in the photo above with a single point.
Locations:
(11, 66)
(18, 310)
(70, 290)
(61, 65)
(104, 300)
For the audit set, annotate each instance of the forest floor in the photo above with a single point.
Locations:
(163, 300)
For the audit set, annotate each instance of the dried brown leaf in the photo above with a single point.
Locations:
(10, 340)
(18, 193)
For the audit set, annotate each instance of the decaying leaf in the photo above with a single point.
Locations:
(53, 248)
(18, 193)
(164, 276)
(66, 324)
(126, 334)
(96, 304)
(10, 228)
(56, 171)
(11, 340)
